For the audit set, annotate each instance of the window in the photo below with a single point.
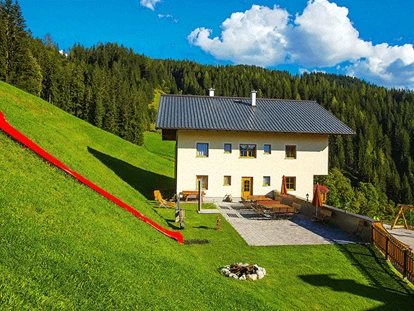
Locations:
(227, 148)
(204, 182)
(291, 183)
(202, 150)
(247, 151)
(290, 151)
(227, 181)
(267, 149)
(266, 181)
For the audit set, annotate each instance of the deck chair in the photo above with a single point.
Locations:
(162, 202)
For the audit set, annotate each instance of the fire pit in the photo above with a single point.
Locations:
(245, 271)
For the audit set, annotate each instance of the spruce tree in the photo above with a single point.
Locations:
(2, 42)
(30, 77)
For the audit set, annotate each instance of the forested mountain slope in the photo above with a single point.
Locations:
(112, 87)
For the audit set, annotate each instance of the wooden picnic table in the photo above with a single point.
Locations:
(277, 209)
(187, 193)
(270, 204)
(258, 198)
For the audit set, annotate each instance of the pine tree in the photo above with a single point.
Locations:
(30, 77)
(3, 46)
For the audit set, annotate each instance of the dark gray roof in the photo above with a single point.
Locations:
(237, 114)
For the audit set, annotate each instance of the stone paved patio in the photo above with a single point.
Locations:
(262, 231)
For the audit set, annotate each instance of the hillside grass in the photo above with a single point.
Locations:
(64, 247)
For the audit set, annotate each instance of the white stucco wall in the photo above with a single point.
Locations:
(312, 159)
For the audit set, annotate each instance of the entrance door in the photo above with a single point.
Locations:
(247, 187)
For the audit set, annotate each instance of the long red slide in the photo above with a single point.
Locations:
(7, 128)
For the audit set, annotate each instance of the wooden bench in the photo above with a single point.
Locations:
(324, 215)
(192, 193)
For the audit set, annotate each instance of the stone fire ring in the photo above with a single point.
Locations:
(240, 271)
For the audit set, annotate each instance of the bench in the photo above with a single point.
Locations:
(191, 193)
(324, 215)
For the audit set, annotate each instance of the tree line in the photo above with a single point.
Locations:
(112, 87)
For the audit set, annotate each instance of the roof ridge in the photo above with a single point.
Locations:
(239, 98)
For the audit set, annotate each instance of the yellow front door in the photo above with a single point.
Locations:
(247, 187)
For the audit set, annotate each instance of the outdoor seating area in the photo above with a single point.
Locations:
(260, 226)
(268, 207)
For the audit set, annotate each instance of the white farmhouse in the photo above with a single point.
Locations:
(243, 146)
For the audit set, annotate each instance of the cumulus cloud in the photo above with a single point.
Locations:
(256, 36)
(321, 36)
(150, 4)
(391, 66)
(327, 36)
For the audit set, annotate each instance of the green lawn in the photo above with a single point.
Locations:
(65, 247)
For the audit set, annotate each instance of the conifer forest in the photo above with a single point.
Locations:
(113, 87)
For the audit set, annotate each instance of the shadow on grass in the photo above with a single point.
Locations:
(385, 286)
(143, 181)
(205, 228)
(168, 221)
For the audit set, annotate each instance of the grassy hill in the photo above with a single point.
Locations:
(63, 246)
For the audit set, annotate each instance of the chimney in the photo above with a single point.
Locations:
(211, 92)
(253, 98)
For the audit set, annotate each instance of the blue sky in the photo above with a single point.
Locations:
(368, 39)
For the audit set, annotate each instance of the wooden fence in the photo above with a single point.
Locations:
(398, 253)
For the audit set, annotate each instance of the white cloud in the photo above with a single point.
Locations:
(253, 37)
(150, 4)
(169, 18)
(391, 66)
(326, 36)
(322, 36)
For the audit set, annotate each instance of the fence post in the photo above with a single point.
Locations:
(386, 246)
(372, 234)
(405, 263)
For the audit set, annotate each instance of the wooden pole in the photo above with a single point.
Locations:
(401, 213)
(199, 196)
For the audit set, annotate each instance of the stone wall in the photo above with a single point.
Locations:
(341, 219)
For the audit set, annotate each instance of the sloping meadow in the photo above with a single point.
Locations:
(63, 246)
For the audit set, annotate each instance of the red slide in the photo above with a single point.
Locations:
(6, 127)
